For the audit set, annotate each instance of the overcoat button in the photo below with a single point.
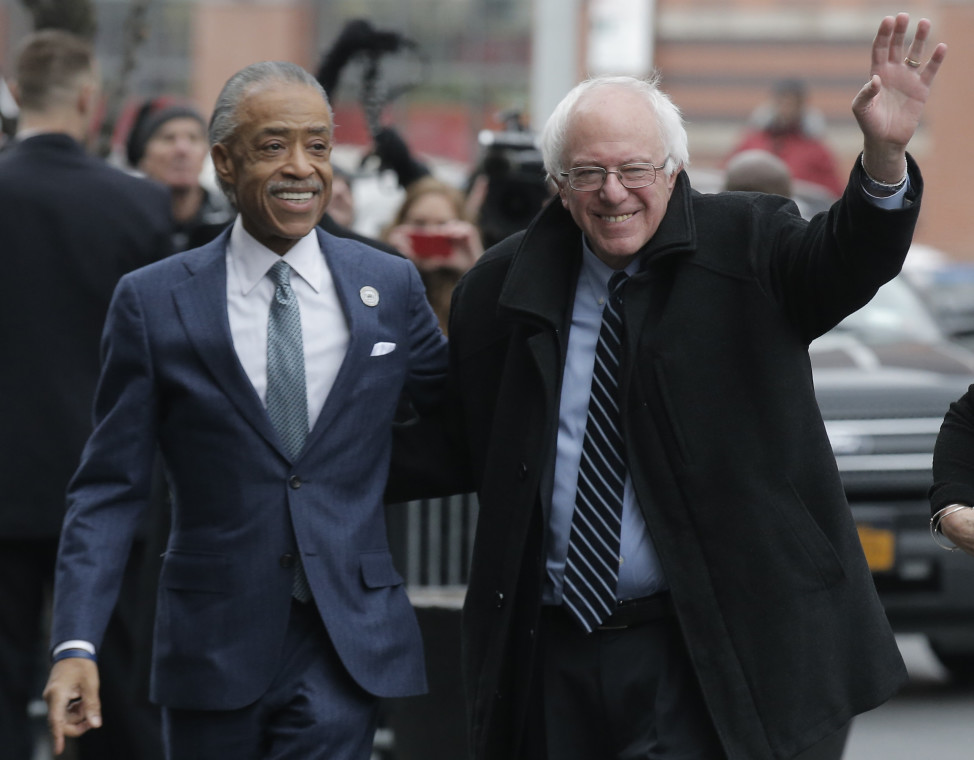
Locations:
(294, 481)
(287, 560)
(522, 471)
(499, 599)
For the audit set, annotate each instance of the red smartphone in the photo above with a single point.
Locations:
(431, 245)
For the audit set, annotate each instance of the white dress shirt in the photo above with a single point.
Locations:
(324, 328)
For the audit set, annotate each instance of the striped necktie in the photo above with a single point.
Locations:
(592, 564)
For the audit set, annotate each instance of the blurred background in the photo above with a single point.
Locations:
(474, 65)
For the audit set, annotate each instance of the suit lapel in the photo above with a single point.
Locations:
(349, 276)
(201, 302)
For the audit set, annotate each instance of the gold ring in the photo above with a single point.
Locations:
(910, 62)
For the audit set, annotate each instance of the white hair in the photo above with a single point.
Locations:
(669, 121)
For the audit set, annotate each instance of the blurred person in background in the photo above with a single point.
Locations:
(341, 207)
(758, 171)
(790, 129)
(431, 230)
(168, 143)
(70, 227)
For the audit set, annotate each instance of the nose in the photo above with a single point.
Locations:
(300, 165)
(612, 189)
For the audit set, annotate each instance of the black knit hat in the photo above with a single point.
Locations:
(148, 120)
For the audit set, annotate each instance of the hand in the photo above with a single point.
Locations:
(465, 245)
(888, 108)
(959, 528)
(72, 699)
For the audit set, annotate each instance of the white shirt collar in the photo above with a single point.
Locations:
(252, 260)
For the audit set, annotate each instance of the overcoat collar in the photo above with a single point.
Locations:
(201, 301)
(547, 261)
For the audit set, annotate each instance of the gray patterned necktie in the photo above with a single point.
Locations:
(287, 395)
(592, 564)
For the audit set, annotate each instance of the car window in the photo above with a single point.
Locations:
(896, 313)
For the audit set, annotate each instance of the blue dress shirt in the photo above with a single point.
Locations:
(640, 573)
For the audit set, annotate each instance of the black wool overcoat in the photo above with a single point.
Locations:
(727, 449)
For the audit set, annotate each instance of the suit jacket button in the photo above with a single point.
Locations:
(287, 560)
(294, 481)
(522, 472)
(499, 599)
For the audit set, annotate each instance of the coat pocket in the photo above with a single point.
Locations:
(378, 570)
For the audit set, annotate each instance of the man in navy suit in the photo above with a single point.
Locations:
(70, 227)
(245, 665)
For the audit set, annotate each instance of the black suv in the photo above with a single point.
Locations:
(884, 379)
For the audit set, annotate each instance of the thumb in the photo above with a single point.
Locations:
(863, 99)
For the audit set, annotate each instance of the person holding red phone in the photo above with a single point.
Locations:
(431, 229)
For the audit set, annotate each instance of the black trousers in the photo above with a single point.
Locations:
(619, 694)
(622, 694)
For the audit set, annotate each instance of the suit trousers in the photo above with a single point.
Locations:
(313, 709)
(624, 694)
(619, 694)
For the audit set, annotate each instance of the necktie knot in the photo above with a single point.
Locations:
(280, 273)
(617, 283)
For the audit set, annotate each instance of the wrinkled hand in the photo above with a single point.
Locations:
(959, 528)
(888, 108)
(72, 700)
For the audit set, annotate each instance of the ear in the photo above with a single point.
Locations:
(672, 177)
(87, 95)
(223, 164)
(563, 190)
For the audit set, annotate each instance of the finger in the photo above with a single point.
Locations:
(900, 24)
(915, 53)
(86, 711)
(933, 65)
(882, 43)
(57, 734)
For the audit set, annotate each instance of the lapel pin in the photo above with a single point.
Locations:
(369, 296)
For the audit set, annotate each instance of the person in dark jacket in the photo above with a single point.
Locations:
(724, 608)
(70, 227)
(168, 143)
(952, 494)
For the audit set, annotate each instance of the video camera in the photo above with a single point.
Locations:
(516, 186)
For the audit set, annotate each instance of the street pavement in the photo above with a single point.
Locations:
(930, 718)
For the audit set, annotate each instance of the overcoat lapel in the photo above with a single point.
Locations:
(201, 302)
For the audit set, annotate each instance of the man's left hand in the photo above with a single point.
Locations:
(888, 108)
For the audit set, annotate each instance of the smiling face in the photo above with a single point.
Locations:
(610, 127)
(278, 162)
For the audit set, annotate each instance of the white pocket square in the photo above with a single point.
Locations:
(381, 349)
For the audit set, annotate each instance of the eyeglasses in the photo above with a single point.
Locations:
(632, 176)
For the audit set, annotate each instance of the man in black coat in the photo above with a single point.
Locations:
(70, 227)
(695, 587)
